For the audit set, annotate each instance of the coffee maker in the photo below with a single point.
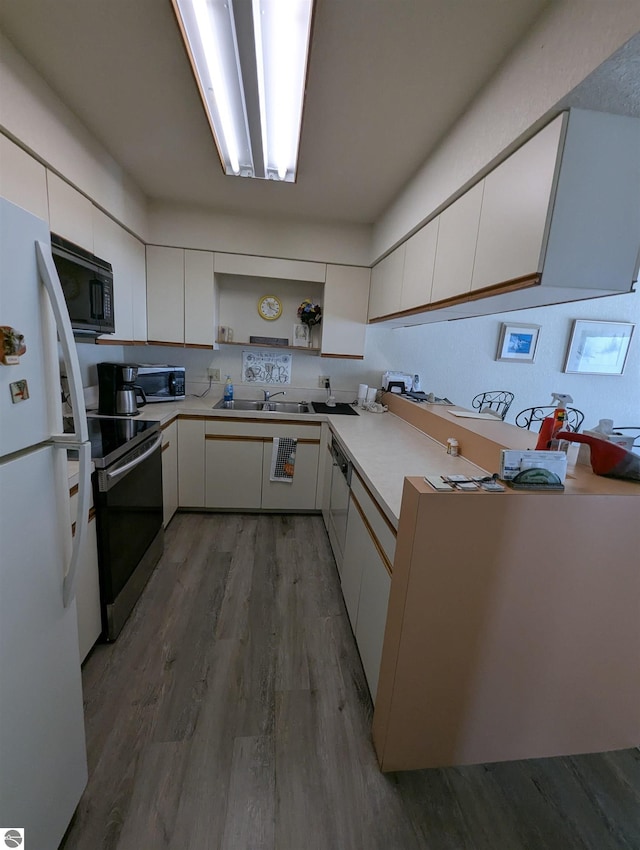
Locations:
(118, 394)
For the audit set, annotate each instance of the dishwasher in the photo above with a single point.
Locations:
(339, 500)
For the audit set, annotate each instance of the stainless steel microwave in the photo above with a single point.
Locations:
(161, 382)
(87, 284)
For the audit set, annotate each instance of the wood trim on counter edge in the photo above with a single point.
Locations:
(121, 342)
(344, 356)
(387, 564)
(257, 439)
(165, 446)
(375, 502)
(258, 419)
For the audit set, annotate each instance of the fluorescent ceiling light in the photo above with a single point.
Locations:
(250, 58)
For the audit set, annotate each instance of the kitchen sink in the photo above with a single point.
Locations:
(267, 406)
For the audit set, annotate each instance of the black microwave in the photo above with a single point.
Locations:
(87, 284)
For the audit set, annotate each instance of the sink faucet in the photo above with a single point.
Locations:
(268, 396)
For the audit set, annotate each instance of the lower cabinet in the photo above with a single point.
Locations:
(169, 471)
(236, 467)
(191, 461)
(366, 578)
(88, 585)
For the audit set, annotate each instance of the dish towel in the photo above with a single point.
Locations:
(283, 459)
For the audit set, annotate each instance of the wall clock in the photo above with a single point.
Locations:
(270, 307)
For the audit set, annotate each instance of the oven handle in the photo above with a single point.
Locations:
(111, 476)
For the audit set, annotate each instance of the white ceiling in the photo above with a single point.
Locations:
(387, 79)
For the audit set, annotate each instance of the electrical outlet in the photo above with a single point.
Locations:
(322, 381)
(214, 374)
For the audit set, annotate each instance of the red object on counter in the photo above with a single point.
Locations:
(607, 458)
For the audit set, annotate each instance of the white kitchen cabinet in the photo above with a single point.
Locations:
(515, 204)
(127, 257)
(386, 284)
(238, 464)
(301, 493)
(191, 462)
(169, 471)
(344, 316)
(455, 252)
(325, 467)
(419, 262)
(88, 584)
(70, 213)
(23, 180)
(366, 576)
(199, 306)
(180, 296)
(165, 294)
(233, 472)
(248, 266)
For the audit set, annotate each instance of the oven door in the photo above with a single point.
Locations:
(128, 498)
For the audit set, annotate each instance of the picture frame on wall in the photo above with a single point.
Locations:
(301, 336)
(598, 348)
(518, 342)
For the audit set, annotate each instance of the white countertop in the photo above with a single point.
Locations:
(384, 448)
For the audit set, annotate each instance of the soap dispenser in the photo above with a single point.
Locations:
(228, 390)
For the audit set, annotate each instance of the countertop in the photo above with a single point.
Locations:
(385, 449)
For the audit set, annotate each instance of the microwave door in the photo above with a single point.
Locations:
(96, 290)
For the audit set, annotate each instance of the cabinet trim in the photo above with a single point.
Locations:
(375, 502)
(387, 565)
(169, 423)
(346, 356)
(254, 420)
(234, 438)
(92, 516)
(495, 289)
(166, 446)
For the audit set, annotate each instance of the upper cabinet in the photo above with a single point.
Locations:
(419, 262)
(558, 220)
(180, 297)
(250, 266)
(23, 180)
(515, 202)
(127, 257)
(386, 284)
(344, 318)
(70, 213)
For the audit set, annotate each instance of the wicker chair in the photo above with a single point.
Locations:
(493, 401)
(532, 416)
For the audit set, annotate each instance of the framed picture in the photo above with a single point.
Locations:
(301, 336)
(598, 348)
(518, 343)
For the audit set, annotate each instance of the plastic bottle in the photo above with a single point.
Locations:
(551, 425)
(453, 447)
(228, 389)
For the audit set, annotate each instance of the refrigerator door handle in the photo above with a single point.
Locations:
(79, 440)
(53, 287)
(82, 519)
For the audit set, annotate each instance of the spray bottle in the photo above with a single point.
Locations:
(552, 425)
(228, 389)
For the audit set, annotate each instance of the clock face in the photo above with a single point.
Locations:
(269, 307)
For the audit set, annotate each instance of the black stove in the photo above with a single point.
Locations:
(113, 436)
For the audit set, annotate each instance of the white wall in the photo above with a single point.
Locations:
(192, 227)
(33, 115)
(565, 45)
(457, 360)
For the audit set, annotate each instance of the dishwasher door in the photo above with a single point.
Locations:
(339, 501)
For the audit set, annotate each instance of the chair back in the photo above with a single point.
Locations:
(495, 401)
(531, 417)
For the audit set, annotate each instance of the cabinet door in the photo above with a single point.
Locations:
(515, 205)
(419, 261)
(457, 237)
(233, 472)
(372, 613)
(165, 294)
(326, 465)
(344, 318)
(386, 284)
(88, 586)
(191, 460)
(109, 243)
(70, 213)
(249, 266)
(301, 493)
(169, 472)
(199, 317)
(356, 543)
(23, 181)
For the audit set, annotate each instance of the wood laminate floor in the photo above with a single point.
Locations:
(232, 713)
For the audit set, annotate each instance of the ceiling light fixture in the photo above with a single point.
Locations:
(250, 58)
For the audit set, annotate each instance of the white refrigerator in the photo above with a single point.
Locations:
(43, 765)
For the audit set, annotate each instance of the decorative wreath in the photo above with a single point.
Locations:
(309, 313)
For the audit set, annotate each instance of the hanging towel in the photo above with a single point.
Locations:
(283, 459)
